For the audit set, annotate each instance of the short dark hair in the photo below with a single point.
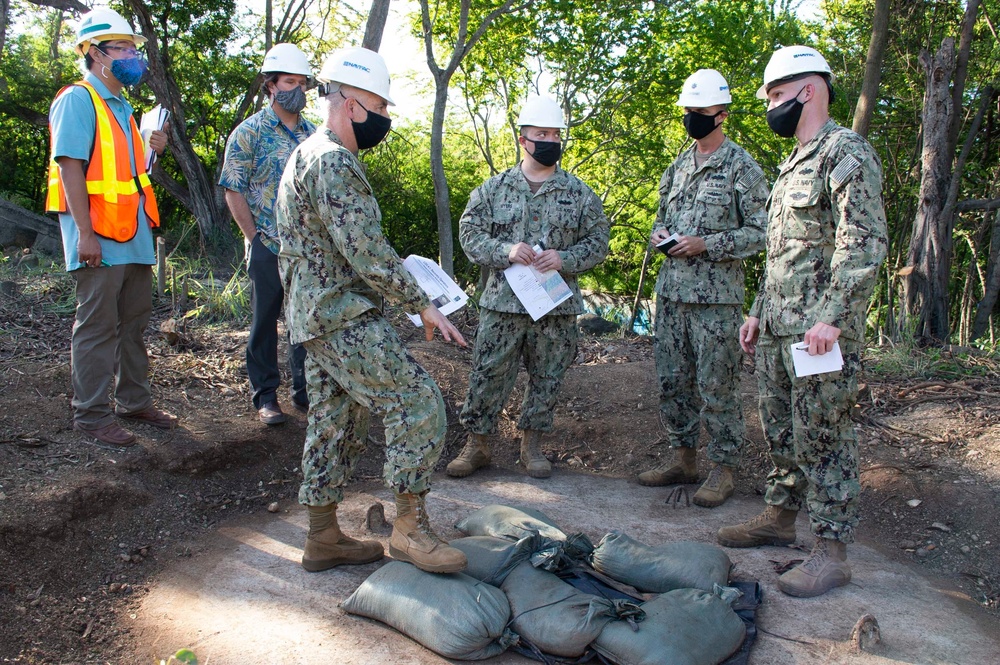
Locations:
(270, 77)
(88, 61)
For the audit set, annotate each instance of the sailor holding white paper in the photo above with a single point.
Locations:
(826, 237)
(534, 214)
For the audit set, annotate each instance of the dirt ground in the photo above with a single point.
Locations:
(84, 528)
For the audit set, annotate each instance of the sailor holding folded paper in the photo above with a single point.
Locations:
(712, 211)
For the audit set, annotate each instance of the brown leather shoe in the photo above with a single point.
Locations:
(112, 434)
(153, 416)
(271, 414)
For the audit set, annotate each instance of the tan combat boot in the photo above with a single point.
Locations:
(475, 455)
(774, 526)
(825, 568)
(327, 546)
(414, 541)
(537, 465)
(683, 468)
(716, 489)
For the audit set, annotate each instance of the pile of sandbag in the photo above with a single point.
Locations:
(554, 597)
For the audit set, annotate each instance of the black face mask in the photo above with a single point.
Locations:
(784, 118)
(370, 133)
(547, 153)
(699, 126)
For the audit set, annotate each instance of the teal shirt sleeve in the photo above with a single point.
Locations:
(74, 124)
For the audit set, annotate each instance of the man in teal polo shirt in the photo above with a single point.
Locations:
(113, 277)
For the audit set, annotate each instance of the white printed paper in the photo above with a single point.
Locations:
(807, 365)
(152, 120)
(539, 292)
(442, 290)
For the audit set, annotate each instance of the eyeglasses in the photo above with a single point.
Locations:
(127, 50)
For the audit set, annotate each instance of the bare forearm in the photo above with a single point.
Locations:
(75, 185)
(240, 210)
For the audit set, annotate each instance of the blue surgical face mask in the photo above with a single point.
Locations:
(129, 71)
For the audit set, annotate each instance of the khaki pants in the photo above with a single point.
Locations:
(113, 306)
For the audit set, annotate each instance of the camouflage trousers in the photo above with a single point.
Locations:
(697, 353)
(807, 423)
(548, 347)
(350, 374)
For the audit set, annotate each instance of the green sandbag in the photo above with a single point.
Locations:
(680, 565)
(556, 617)
(510, 523)
(453, 615)
(682, 627)
(485, 554)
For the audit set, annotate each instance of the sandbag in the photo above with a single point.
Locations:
(510, 523)
(486, 555)
(453, 615)
(555, 617)
(682, 627)
(680, 565)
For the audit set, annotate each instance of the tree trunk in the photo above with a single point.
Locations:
(442, 195)
(992, 287)
(930, 242)
(48, 238)
(4, 14)
(873, 68)
(212, 219)
(375, 26)
(962, 69)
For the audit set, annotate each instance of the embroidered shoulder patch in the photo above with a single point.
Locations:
(847, 167)
(749, 180)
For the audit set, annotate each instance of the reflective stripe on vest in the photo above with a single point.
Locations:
(113, 191)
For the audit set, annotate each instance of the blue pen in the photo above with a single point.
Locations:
(104, 264)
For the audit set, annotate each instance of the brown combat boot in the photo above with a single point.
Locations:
(537, 465)
(327, 546)
(475, 455)
(682, 468)
(825, 568)
(414, 541)
(716, 489)
(774, 526)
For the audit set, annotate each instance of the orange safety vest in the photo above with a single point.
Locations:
(114, 191)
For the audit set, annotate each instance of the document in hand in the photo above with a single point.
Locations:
(807, 365)
(667, 243)
(539, 292)
(444, 293)
(152, 120)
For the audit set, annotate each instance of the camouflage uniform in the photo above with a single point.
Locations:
(335, 263)
(826, 237)
(699, 299)
(565, 215)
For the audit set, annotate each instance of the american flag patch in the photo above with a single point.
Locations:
(845, 169)
(749, 180)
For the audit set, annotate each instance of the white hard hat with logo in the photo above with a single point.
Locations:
(791, 61)
(287, 59)
(541, 111)
(706, 87)
(101, 25)
(358, 67)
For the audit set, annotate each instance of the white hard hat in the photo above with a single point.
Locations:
(706, 87)
(286, 58)
(358, 67)
(791, 61)
(102, 24)
(541, 111)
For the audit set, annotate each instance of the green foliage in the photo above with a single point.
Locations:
(184, 657)
(907, 360)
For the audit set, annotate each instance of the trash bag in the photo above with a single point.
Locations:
(453, 615)
(555, 617)
(682, 627)
(680, 565)
(510, 523)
